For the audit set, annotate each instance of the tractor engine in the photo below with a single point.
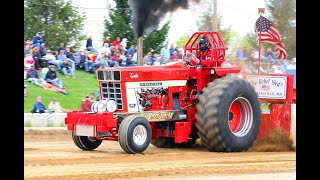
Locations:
(144, 89)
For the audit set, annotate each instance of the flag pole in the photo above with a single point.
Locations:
(260, 11)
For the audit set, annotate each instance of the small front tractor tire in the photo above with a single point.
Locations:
(134, 134)
(85, 143)
(228, 115)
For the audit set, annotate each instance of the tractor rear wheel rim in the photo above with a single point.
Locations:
(240, 117)
(140, 135)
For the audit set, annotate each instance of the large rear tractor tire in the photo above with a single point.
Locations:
(85, 143)
(228, 115)
(134, 134)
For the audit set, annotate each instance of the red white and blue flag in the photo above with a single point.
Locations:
(269, 33)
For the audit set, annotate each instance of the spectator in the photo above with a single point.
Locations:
(124, 43)
(37, 40)
(171, 49)
(26, 50)
(51, 77)
(135, 58)
(66, 68)
(86, 104)
(38, 107)
(156, 59)
(116, 42)
(131, 50)
(102, 61)
(37, 58)
(123, 58)
(33, 77)
(246, 53)
(270, 55)
(130, 61)
(107, 41)
(61, 57)
(180, 54)
(122, 50)
(28, 60)
(94, 56)
(88, 62)
(43, 50)
(55, 106)
(116, 60)
(77, 59)
(165, 50)
(174, 56)
(69, 54)
(52, 60)
(147, 59)
(60, 48)
(83, 58)
(276, 68)
(161, 59)
(92, 98)
(106, 49)
(240, 54)
(89, 45)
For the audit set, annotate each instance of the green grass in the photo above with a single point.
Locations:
(77, 89)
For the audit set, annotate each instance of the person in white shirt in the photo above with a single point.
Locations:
(54, 106)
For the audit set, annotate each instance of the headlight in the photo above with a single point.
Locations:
(111, 106)
(212, 71)
(99, 106)
(102, 106)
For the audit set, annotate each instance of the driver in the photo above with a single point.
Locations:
(204, 60)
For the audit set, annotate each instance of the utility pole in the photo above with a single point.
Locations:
(215, 16)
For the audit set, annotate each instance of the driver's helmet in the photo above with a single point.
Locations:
(204, 44)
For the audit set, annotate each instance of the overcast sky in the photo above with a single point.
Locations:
(239, 14)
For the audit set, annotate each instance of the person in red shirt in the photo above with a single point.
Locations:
(174, 56)
(86, 104)
(116, 42)
(204, 60)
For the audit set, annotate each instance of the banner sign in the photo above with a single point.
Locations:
(269, 87)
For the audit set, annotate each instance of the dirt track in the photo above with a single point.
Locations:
(51, 154)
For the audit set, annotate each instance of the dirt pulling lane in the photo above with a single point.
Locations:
(52, 155)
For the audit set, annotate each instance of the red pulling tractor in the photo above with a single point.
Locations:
(158, 105)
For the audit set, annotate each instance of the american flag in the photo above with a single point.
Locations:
(270, 34)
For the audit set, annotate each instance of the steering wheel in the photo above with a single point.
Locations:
(190, 59)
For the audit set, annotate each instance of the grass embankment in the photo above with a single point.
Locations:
(77, 89)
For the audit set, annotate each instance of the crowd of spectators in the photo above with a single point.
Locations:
(269, 63)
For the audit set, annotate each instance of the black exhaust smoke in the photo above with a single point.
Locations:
(147, 14)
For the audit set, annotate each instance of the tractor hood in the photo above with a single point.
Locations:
(170, 71)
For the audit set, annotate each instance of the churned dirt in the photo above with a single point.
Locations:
(51, 154)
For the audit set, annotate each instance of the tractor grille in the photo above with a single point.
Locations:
(112, 90)
(108, 75)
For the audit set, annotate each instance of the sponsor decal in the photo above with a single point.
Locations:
(273, 87)
(157, 116)
(151, 84)
(134, 75)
